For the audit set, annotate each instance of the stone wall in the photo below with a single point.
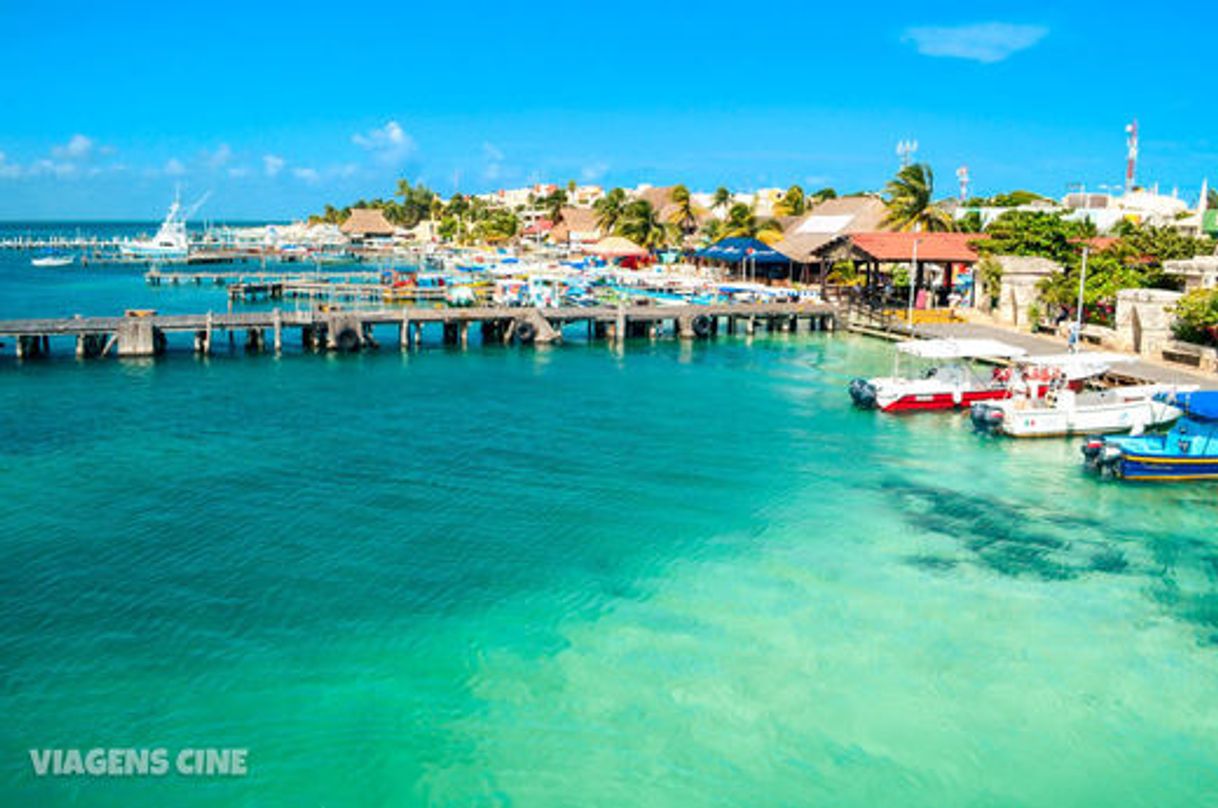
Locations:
(1144, 319)
(1020, 277)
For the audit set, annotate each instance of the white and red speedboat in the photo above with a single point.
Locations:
(940, 374)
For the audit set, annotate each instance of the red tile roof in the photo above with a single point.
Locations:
(946, 247)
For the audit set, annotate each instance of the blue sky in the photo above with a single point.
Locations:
(275, 109)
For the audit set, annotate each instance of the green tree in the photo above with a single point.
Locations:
(722, 199)
(823, 194)
(793, 202)
(609, 209)
(641, 224)
(685, 214)
(911, 203)
(1048, 235)
(742, 222)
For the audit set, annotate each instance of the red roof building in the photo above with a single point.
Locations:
(945, 248)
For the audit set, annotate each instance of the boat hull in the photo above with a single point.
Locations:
(1049, 422)
(922, 402)
(1167, 469)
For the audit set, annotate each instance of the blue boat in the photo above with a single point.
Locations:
(1188, 452)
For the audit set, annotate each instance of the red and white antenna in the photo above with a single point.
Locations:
(962, 175)
(1131, 162)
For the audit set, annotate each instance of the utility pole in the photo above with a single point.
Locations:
(1082, 286)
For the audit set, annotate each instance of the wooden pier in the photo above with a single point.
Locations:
(326, 329)
(157, 277)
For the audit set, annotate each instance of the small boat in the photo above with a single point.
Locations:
(53, 260)
(1189, 451)
(1065, 409)
(1061, 413)
(947, 378)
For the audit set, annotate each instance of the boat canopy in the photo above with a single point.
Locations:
(1201, 404)
(1067, 361)
(960, 349)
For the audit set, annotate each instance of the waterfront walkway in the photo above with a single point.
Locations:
(1140, 369)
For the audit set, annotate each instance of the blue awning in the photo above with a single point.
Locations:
(737, 250)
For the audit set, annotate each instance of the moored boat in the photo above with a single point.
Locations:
(53, 260)
(169, 244)
(1062, 413)
(1065, 409)
(1189, 451)
(946, 378)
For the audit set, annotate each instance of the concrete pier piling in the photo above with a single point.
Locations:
(352, 331)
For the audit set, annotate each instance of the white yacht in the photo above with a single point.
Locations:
(169, 243)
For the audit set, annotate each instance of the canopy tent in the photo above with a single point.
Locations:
(960, 349)
(737, 250)
(617, 247)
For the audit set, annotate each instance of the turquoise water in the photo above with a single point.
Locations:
(673, 574)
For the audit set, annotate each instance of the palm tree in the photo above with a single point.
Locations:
(792, 203)
(742, 222)
(911, 203)
(641, 224)
(609, 209)
(723, 198)
(684, 216)
(553, 204)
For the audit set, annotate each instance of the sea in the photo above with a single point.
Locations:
(659, 574)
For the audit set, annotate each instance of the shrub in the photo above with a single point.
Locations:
(1197, 316)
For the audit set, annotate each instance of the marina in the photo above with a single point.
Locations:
(436, 405)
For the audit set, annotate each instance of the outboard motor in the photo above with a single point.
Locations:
(986, 417)
(1092, 448)
(863, 393)
(1103, 456)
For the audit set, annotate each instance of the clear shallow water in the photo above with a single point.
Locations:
(673, 575)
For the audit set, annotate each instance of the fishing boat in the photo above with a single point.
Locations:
(53, 260)
(1189, 451)
(946, 377)
(169, 244)
(1067, 409)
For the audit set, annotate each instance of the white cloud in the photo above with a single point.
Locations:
(77, 148)
(174, 167)
(593, 171)
(7, 169)
(494, 162)
(220, 157)
(236, 172)
(55, 168)
(983, 42)
(388, 144)
(308, 175)
(272, 164)
(492, 152)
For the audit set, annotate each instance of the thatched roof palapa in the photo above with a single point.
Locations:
(617, 247)
(828, 220)
(576, 224)
(367, 222)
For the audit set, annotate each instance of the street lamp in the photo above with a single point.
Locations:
(1082, 285)
(913, 280)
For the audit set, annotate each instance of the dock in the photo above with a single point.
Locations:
(351, 331)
